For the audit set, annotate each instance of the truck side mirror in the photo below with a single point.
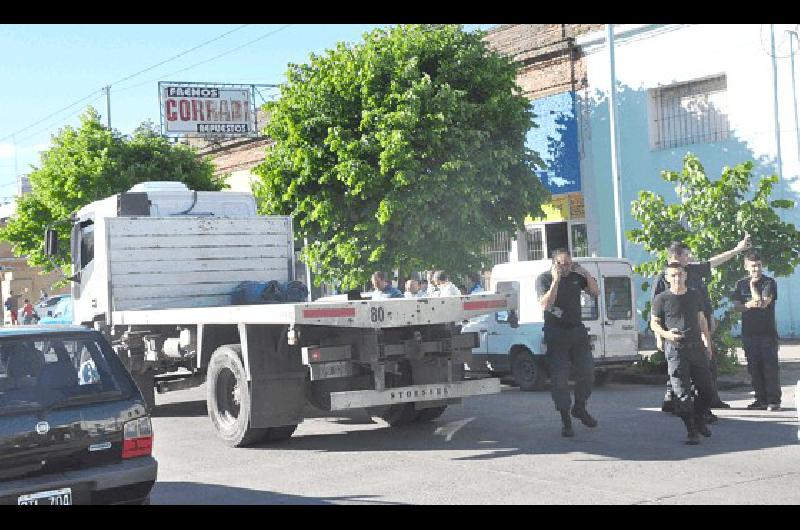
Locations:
(50, 242)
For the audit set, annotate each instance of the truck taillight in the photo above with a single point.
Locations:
(137, 438)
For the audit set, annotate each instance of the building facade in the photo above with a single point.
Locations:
(701, 88)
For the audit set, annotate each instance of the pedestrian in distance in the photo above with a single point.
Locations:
(678, 318)
(42, 296)
(433, 291)
(423, 288)
(697, 274)
(566, 338)
(383, 288)
(27, 313)
(413, 289)
(755, 297)
(474, 284)
(12, 306)
(444, 286)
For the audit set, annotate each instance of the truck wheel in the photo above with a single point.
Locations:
(400, 414)
(228, 398)
(527, 372)
(430, 414)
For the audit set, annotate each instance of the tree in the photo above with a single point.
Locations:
(405, 150)
(711, 217)
(89, 163)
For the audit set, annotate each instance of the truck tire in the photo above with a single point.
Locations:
(278, 434)
(400, 414)
(228, 398)
(527, 371)
(430, 414)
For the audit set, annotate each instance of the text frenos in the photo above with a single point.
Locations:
(206, 110)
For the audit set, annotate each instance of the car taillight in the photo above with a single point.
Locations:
(137, 438)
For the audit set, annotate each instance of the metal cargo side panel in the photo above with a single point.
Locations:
(172, 262)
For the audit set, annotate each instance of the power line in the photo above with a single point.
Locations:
(40, 131)
(50, 116)
(179, 55)
(228, 52)
(121, 80)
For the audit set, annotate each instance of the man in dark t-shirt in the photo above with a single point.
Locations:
(565, 337)
(698, 275)
(755, 297)
(678, 319)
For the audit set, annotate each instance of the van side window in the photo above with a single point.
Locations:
(505, 287)
(619, 305)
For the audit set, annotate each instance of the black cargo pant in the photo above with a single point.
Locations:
(687, 364)
(762, 363)
(714, 367)
(569, 347)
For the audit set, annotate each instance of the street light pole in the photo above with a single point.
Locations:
(775, 106)
(107, 90)
(612, 118)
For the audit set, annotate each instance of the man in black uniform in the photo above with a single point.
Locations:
(565, 336)
(697, 274)
(678, 318)
(755, 297)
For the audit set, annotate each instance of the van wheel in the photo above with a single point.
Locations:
(601, 377)
(228, 398)
(527, 371)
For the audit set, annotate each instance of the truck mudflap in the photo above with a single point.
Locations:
(414, 393)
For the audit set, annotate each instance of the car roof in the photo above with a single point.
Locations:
(22, 331)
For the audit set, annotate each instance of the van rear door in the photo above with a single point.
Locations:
(618, 309)
(590, 314)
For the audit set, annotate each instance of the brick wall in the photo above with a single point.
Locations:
(549, 61)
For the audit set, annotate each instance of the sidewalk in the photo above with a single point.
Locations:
(788, 354)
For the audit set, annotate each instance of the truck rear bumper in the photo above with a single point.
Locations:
(409, 394)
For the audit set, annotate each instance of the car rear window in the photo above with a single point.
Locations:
(57, 370)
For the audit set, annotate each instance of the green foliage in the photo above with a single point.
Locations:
(711, 217)
(92, 162)
(405, 150)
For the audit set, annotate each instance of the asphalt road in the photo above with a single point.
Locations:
(499, 449)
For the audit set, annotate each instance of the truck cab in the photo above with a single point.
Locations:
(518, 352)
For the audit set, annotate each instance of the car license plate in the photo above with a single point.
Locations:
(52, 497)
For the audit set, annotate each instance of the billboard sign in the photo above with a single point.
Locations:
(207, 109)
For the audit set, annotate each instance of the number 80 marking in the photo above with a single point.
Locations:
(376, 314)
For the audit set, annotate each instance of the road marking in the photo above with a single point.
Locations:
(449, 429)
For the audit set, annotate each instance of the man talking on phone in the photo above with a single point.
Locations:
(565, 336)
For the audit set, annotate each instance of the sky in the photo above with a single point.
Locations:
(46, 68)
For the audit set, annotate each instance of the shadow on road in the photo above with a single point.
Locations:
(198, 493)
(632, 427)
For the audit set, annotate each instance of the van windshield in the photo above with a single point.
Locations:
(44, 371)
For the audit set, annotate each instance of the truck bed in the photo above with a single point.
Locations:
(387, 313)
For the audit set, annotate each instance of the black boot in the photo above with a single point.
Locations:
(566, 421)
(700, 425)
(581, 413)
(693, 438)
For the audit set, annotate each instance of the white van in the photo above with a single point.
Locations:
(518, 351)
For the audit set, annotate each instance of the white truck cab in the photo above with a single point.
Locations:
(519, 352)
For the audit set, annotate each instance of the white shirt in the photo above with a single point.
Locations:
(448, 289)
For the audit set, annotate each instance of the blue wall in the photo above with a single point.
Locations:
(640, 169)
(556, 142)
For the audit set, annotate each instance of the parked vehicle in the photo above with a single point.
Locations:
(156, 269)
(519, 351)
(59, 312)
(73, 425)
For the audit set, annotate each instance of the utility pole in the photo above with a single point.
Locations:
(793, 34)
(107, 90)
(775, 104)
(612, 119)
